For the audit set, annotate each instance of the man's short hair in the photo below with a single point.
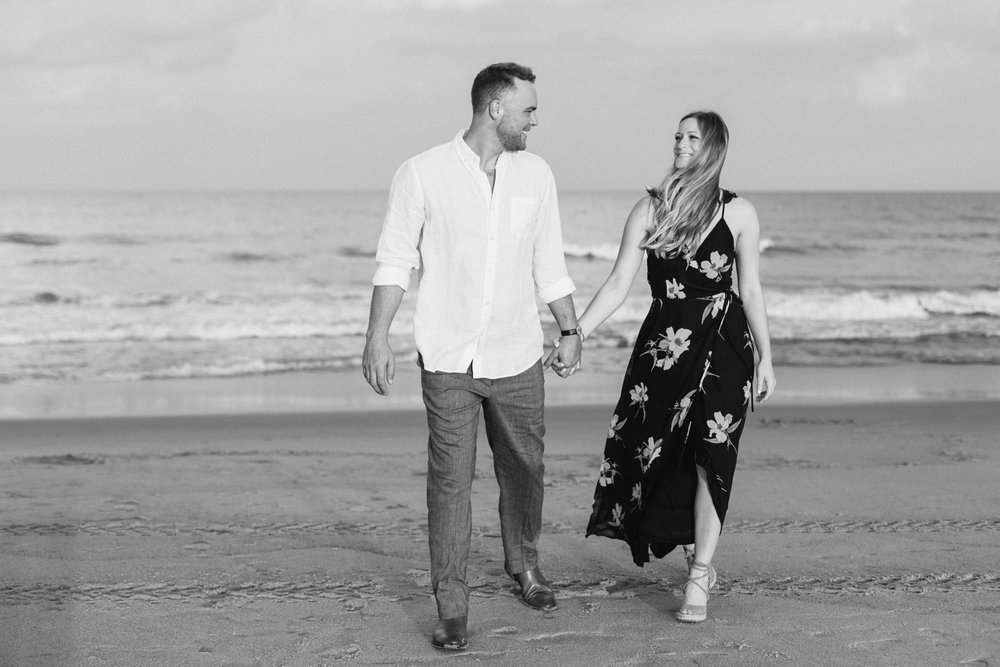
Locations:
(495, 80)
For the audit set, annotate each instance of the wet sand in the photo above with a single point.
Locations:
(860, 533)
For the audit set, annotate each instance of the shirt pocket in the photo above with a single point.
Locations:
(523, 211)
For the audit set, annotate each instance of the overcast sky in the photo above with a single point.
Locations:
(321, 94)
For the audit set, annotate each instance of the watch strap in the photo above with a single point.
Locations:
(576, 331)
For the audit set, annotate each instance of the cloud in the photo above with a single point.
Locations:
(387, 5)
(465, 5)
(887, 81)
(67, 34)
(941, 53)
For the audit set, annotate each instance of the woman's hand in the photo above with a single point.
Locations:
(766, 382)
(564, 359)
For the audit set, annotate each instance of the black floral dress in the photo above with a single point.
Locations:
(684, 401)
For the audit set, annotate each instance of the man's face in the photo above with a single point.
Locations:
(519, 104)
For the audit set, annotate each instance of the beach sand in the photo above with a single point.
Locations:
(282, 522)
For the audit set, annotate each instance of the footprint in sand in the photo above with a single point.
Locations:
(119, 505)
(874, 643)
(64, 459)
(354, 604)
(420, 577)
(940, 638)
(350, 651)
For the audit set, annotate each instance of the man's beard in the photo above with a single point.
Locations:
(511, 138)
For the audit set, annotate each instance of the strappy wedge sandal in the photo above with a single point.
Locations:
(689, 559)
(688, 554)
(693, 613)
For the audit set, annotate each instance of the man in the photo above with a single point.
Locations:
(479, 217)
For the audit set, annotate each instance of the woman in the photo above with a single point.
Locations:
(671, 448)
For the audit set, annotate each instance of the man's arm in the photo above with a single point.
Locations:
(565, 358)
(552, 282)
(396, 257)
(378, 362)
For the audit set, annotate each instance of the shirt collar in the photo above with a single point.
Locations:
(464, 151)
(468, 155)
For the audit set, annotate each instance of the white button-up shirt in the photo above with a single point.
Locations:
(484, 256)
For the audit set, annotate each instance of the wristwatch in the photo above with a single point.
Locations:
(577, 331)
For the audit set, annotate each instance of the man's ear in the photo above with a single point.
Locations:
(496, 109)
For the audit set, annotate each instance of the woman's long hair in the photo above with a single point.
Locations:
(685, 203)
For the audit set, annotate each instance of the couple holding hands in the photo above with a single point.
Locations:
(478, 217)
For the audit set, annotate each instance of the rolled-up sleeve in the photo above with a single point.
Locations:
(552, 280)
(398, 253)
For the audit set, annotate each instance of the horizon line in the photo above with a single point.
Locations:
(383, 190)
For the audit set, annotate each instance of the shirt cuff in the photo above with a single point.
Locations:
(387, 274)
(562, 287)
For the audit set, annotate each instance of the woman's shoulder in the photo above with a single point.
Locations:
(646, 204)
(740, 214)
(651, 201)
(642, 214)
(737, 206)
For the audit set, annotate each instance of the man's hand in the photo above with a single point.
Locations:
(564, 358)
(379, 364)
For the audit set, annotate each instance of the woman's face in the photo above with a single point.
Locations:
(687, 142)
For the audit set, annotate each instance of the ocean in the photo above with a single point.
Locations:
(98, 287)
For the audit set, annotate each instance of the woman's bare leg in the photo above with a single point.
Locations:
(707, 528)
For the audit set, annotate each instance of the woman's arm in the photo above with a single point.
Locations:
(742, 219)
(612, 293)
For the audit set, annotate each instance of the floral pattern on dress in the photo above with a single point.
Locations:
(715, 305)
(639, 396)
(674, 289)
(608, 471)
(668, 347)
(617, 514)
(714, 267)
(649, 453)
(706, 372)
(681, 408)
(615, 426)
(637, 494)
(719, 429)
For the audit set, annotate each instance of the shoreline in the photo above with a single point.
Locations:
(346, 391)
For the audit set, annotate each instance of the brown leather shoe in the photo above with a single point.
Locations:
(535, 591)
(451, 633)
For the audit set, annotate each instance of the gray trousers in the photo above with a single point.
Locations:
(513, 410)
